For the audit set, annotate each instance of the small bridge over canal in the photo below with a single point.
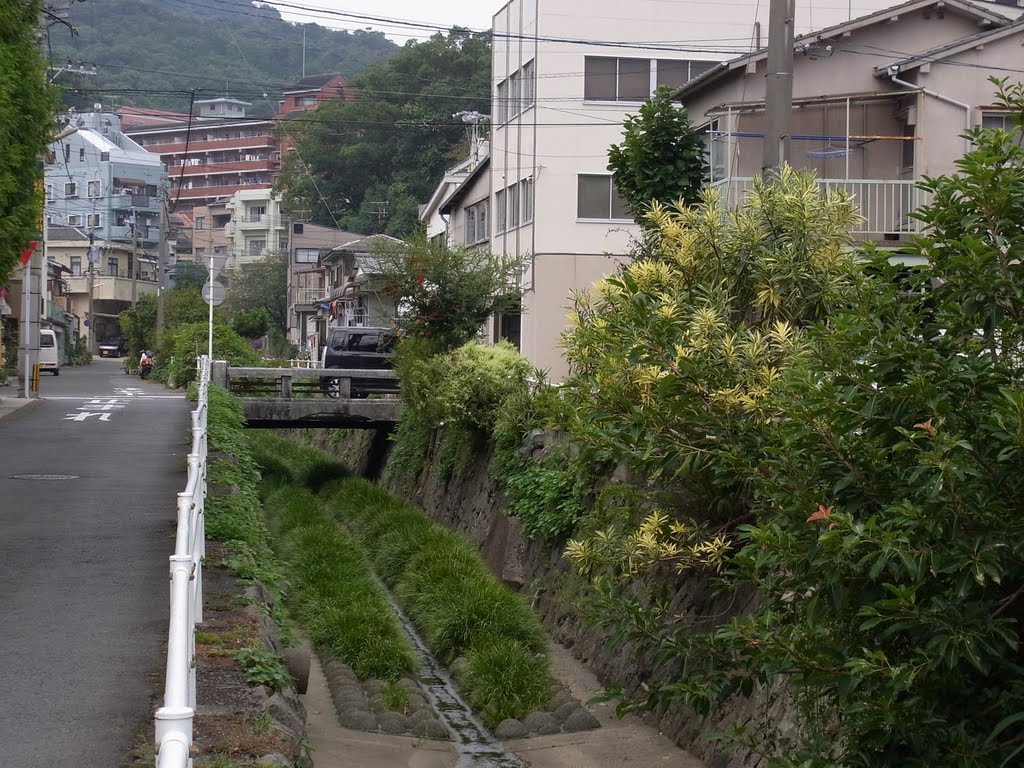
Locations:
(313, 397)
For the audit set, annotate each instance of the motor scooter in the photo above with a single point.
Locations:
(145, 367)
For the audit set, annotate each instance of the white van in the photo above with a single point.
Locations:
(48, 357)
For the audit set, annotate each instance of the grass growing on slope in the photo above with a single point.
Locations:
(458, 605)
(334, 593)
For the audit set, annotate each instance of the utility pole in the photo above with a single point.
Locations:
(161, 262)
(133, 268)
(94, 256)
(778, 108)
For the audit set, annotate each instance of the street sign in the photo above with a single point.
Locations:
(213, 292)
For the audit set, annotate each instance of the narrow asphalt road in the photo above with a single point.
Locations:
(83, 563)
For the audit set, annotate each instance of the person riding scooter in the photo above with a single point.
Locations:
(145, 364)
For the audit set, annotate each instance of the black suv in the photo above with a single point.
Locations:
(361, 348)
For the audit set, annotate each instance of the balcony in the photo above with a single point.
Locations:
(107, 288)
(138, 202)
(308, 296)
(210, 169)
(123, 233)
(178, 148)
(885, 205)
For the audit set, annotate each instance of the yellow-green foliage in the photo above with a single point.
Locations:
(670, 351)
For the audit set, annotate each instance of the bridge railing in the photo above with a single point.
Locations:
(173, 720)
(291, 383)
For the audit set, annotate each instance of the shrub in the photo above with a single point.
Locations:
(504, 678)
(181, 347)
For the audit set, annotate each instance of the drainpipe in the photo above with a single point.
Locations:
(894, 76)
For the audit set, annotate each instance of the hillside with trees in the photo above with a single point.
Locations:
(369, 163)
(150, 53)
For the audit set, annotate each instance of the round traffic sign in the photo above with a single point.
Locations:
(213, 292)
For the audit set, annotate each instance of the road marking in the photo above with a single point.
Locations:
(86, 415)
(94, 397)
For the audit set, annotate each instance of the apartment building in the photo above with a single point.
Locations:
(308, 93)
(218, 152)
(99, 180)
(246, 226)
(878, 103)
(564, 80)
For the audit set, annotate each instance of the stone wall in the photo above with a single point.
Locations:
(472, 503)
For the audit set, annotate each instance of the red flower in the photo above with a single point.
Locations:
(420, 279)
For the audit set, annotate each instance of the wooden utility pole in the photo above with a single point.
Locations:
(778, 107)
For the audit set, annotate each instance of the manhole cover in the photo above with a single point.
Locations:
(44, 477)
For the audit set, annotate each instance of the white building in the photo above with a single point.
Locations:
(565, 76)
(257, 226)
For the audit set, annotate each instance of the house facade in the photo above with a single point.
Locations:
(878, 103)
(101, 181)
(354, 294)
(307, 279)
(564, 80)
(107, 275)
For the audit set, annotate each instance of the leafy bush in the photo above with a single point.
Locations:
(183, 345)
(877, 472)
(263, 668)
(459, 393)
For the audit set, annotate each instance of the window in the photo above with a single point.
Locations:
(513, 94)
(676, 73)
(526, 199)
(92, 220)
(297, 227)
(93, 189)
(255, 212)
(49, 192)
(70, 189)
(46, 340)
(282, 244)
(81, 154)
(513, 206)
(200, 254)
(67, 153)
(607, 79)
(907, 150)
(597, 198)
(716, 150)
(307, 255)
(501, 108)
(105, 156)
(112, 266)
(305, 101)
(499, 210)
(529, 85)
(256, 247)
(76, 266)
(74, 220)
(477, 225)
(200, 222)
(995, 120)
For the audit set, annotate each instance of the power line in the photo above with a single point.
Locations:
(188, 138)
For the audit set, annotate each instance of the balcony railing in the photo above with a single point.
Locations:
(885, 205)
(308, 295)
(109, 288)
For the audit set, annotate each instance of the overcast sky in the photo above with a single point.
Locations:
(475, 14)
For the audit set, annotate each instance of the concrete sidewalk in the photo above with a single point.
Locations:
(619, 743)
(9, 405)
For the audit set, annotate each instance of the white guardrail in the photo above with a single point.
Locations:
(174, 718)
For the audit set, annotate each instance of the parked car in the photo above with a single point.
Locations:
(112, 348)
(49, 357)
(360, 348)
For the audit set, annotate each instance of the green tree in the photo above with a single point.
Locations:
(251, 323)
(181, 306)
(27, 111)
(445, 294)
(661, 157)
(393, 143)
(190, 274)
(261, 284)
(882, 495)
